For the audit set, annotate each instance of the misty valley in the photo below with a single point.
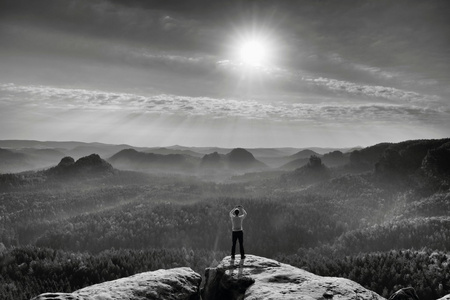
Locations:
(75, 214)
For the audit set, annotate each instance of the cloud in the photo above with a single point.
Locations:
(372, 91)
(344, 42)
(357, 92)
(348, 63)
(52, 98)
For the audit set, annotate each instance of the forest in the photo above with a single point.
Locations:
(382, 220)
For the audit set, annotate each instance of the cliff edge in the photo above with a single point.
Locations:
(261, 278)
(172, 284)
(254, 278)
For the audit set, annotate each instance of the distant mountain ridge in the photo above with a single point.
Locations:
(238, 159)
(306, 153)
(22, 155)
(166, 151)
(426, 163)
(131, 159)
(331, 159)
(406, 157)
(11, 161)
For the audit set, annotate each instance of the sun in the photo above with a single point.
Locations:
(254, 52)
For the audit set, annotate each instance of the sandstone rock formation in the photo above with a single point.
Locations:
(257, 278)
(87, 166)
(172, 284)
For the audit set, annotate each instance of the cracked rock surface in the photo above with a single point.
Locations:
(171, 284)
(262, 278)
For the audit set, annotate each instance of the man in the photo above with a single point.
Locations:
(237, 215)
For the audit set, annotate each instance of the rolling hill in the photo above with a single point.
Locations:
(130, 159)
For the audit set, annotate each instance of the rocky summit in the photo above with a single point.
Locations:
(253, 278)
(256, 278)
(172, 284)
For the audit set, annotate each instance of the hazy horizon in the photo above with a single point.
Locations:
(250, 74)
(184, 146)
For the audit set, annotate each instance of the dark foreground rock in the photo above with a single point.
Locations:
(172, 284)
(255, 278)
(258, 278)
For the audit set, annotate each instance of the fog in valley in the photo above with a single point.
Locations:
(352, 213)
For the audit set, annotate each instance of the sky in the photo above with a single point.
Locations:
(247, 73)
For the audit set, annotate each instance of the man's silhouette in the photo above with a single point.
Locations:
(237, 215)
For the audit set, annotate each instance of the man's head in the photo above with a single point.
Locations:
(236, 212)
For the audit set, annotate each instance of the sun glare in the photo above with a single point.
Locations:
(253, 52)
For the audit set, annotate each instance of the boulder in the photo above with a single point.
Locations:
(261, 278)
(172, 284)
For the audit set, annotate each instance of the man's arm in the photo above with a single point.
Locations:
(232, 211)
(244, 213)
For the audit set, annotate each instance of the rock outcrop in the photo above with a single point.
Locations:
(172, 284)
(88, 166)
(254, 278)
(257, 278)
(241, 159)
(213, 160)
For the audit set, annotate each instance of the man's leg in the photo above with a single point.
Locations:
(234, 238)
(241, 244)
